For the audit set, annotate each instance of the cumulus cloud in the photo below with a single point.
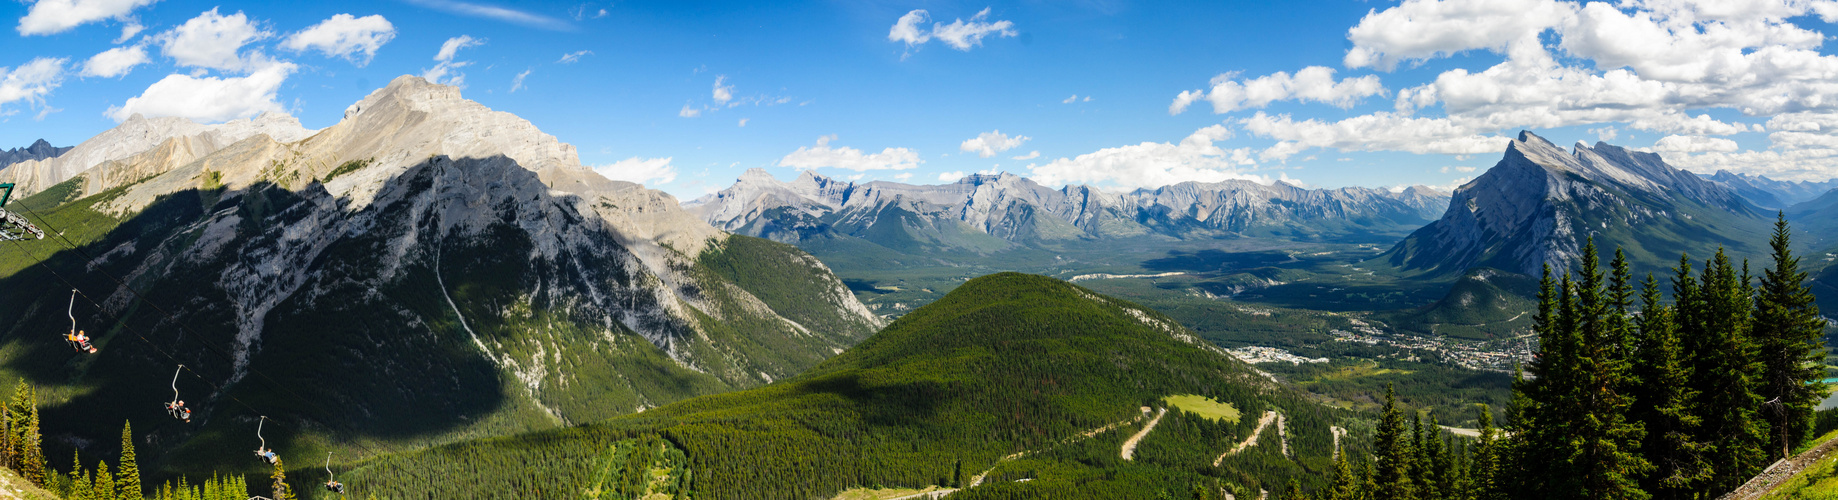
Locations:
(743, 122)
(1693, 144)
(1375, 132)
(444, 68)
(951, 176)
(1313, 83)
(31, 82)
(214, 41)
(987, 144)
(960, 34)
(824, 156)
(344, 36)
(129, 30)
(48, 17)
(1422, 29)
(689, 112)
(722, 93)
(210, 99)
(1153, 164)
(640, 170)
(572, 57)
(115, 62)
(1031, 155)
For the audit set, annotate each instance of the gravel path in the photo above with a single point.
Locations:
(1262, 422)
(1129, 447)
(1780, 472)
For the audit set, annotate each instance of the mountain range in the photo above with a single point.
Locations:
(425, 270)
(985, 213)
(39, 150)
(1769, 193)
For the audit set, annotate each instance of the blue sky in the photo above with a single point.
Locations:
(1117, 94)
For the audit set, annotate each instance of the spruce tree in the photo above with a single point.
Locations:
(1533, 417)
(281, 490)
(1343, 485)
(1788, 334)
(1422, 463)
(1724, 376)
(128, 480)
(1603, 441)
(1663, 403)
(104, 487)
(1484, 464)
(1392, 454)
(30, 457)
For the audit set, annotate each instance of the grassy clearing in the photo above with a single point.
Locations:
(1205, 407)
(880, 493)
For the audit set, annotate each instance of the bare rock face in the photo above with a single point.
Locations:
(139, 134)
(39, 150)
(449, 250)
(1540, 204)
(1011, 209)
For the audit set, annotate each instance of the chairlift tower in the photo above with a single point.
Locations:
(14, 227)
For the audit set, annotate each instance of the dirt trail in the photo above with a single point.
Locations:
(1780, 472)
(928, 495)
(1262, 422)
(1129, 447)
(1282, 432)
(978, 479)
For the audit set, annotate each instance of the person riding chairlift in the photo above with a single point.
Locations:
(81, 341)
(179, 411)
(266, 455)
(335, 486)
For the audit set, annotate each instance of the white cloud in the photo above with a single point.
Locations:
(572, 57)
(1029, 156)
(1693, 144)
(722, 94)
(210, 99)
(1313, 83)
(963, 35)
(444, 66)
(115, 62)
(951, 176)
(743, 122)
(689, 112)
(1375, 132)
(987, 144)
(640, 170)
(1457, 169)
(517, 82)
(48, 17)
(496, 13)
(212, 41)
(903, 177)
(129, 30)
(1070, 100)
(31, 82)
(960, 34)
(1604, 134)
(824, 156)
(344, 35)
(1423, 29)
(1153, 164)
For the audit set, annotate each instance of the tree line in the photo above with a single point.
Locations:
(1629, 397)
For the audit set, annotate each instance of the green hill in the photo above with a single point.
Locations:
(1028, 383)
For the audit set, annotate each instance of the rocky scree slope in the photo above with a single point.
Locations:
(1539, 204)
(425, 270)
(985, 212)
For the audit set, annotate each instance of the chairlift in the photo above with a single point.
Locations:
(13, 227)
(76, 338)
(263, 452)
(331, 483)
(177, 408)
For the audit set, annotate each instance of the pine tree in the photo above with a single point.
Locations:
(1422, 464)
(1603, 441)
(1788, 334)
(30, 457)
(129, 478)
(1392, 454)
(1343, 485)
(1485, 464)
(1663, 403)
(1294, 490)
(281, 490)
(1539, 417)
(1723, 375)
(77, 480)
(104, 487)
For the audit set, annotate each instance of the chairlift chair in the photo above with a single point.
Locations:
(331, 483)
(76, 338)
(13, 227)
(263, 452)
(177, 408)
